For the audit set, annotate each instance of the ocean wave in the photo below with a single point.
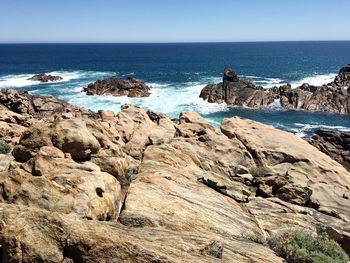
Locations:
(304, 129)
(21, 80)
(317, 80)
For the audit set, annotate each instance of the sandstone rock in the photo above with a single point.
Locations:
(137, 130)
(60, 185)
(34, 235)
(72, 136)
(118, 87)
(196, 194)
(295, 166)
(45, 78)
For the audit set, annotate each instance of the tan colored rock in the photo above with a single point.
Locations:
(137, 130)
(295, 166)
(54, 183)
(33, 235)
(72, 136)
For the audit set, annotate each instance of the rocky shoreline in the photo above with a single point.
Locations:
(80, 186)
(332, 97)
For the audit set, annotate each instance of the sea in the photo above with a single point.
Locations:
(178, 71)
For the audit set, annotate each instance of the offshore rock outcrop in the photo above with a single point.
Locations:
(343, 78)
(45, 78)
(130, 87)
(166, 191)
(235, 91)
(332, 97)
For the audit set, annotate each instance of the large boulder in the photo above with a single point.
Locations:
(138, 129)
(72, 136)
(118, 87)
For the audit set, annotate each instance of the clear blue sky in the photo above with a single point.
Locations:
(173, 20)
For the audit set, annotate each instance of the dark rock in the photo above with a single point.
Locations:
(234, 91)
(333, 143)
(331, 97)
(45, 78)
(22, 102)
(118, 87)
(343, 78)
(214, 249)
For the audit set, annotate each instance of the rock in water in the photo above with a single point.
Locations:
(331, 97)
(343, 78)
(118, 87)
(45, 78)
(234, 91)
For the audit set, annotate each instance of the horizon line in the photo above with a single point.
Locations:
(174, 42)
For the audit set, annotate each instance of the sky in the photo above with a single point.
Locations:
(114, 21)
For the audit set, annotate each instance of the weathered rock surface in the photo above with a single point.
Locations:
(118, 87)
(331, 97)
(335, 144)
(34, 235)
(138, 187)
(36, 106)
(294, 170)
(45, 78)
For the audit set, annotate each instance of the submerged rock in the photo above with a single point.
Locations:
(130, 87)
(45, 78)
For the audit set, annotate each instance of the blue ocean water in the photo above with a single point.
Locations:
(177, 73)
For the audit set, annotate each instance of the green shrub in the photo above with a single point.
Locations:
(297, 247)
(130, 173)
(4, 147)
(256, 239)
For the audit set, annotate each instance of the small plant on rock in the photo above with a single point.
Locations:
(297, 247)
(4, 147)
(130, 173)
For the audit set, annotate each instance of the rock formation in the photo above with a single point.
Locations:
(138, 187)
(331, 97)
(45, 78)
(118, 87)
(335, 144)
(343, 78)
(235, 91)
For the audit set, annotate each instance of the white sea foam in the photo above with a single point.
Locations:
(304, 128)
(21, 80)
(317, 80)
